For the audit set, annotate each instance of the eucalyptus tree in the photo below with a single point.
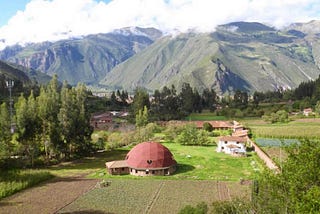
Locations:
(5, 134)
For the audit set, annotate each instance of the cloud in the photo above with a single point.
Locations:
(44, 20)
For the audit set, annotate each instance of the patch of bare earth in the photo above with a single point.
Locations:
(48, 197)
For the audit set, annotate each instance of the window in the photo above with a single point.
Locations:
(147, 171)
(222, 148)
(152, 171)
(237, 142)
(149, 162)
(122, 169)
(225, 142)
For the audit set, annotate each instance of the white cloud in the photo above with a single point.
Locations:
(59, 19)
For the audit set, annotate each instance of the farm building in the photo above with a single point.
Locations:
(145, 159)
(101, 120)
(232, 145)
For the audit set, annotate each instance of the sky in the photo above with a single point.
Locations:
(27, 21)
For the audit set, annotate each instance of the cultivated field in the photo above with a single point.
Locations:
(155, 196)
(300, 128)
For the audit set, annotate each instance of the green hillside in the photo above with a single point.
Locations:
(246, 56)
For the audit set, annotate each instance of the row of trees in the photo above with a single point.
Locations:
(167, 104)
(53, 125)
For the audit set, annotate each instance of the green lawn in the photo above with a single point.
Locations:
(200, 162)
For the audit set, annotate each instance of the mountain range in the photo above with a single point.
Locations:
(248, 56)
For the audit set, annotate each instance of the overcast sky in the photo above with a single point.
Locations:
(24, 21)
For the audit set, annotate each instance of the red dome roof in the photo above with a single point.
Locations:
(150, 155)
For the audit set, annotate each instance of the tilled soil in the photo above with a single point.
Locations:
(48, 197)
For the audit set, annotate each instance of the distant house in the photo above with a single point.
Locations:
(232, 145)
(307, 112)
(100, 120)
(216, 125)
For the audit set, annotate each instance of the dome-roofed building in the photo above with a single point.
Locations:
(148, 158)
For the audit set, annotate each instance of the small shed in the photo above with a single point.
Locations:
(119, 167)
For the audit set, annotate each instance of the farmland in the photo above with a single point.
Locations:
(155, 196)
(300, 128)
(202, 175)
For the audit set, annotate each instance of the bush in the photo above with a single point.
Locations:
(208, 127)
(201, 208)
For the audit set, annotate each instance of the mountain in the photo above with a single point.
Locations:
(87, 59)
(239, 55)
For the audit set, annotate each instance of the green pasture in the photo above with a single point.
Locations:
(198, 163)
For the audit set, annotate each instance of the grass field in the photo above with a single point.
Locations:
(199, 162)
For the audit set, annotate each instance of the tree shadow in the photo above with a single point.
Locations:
(183, 168)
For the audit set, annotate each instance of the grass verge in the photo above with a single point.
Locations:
(13, 181)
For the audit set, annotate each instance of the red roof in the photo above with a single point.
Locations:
(150, 155)
(233, 138)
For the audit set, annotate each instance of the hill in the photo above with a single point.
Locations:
(87, 59)
(240, 55)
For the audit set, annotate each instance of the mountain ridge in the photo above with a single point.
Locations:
(249, 56)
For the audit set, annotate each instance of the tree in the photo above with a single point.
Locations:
(187, 99)
(209, 99)
(6, 146)
(28, 125)
(240, 99)
(207, 126)
(297, 188)
(141, 99)
(142, 117)
(67, 119)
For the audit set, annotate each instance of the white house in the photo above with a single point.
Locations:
(232, 145)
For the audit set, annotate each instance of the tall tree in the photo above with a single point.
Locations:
(66, 116)
(6, 146)
(141, 99)
(28, 125)
(187, 99)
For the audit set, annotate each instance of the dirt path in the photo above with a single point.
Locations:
(48, 197)
(223, 191)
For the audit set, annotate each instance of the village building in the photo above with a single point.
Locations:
(101, 120)
(145, 159)
(307, 112)
(216, 125)
(232, 145)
